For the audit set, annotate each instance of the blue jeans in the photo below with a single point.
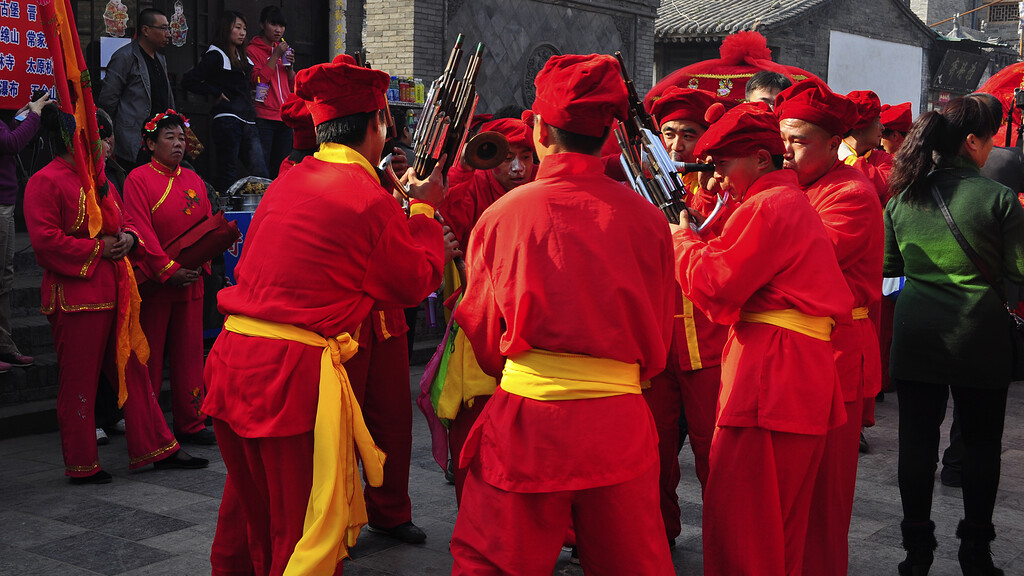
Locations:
(276, 138)
(235, 140)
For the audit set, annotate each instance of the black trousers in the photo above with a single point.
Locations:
(981, 413)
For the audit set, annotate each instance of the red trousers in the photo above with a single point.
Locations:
(86, 343)
(457, 433)
(757, 501)
(499, 532)
(379, 373)
(264, 504)
(682, 401)
(828, 547)
(178, 326)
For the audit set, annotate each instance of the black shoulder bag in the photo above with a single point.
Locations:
(1016, 322)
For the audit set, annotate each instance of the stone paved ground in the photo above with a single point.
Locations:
(157, 523)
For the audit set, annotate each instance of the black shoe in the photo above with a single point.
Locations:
(449, 472)
(100, 477)
(880, 397)
(180, 459)
(951, 477)
(864, 443)
(407, 532)
(671, 543)
(975, 553)
(919, 542)
(204, 437)
(574, 556)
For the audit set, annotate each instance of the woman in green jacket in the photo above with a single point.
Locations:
(951, 331)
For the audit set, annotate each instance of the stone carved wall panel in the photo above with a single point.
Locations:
(519, 33)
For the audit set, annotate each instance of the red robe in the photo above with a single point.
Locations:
(543, 276)
(325, 245)
(849, 208)
(79, 296)
(684, 397)
(165, 203)
(876, 166)
(467, 200)
(780, 391)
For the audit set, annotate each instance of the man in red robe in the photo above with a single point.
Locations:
(569, 301)
(813, 120)
(468, 200)
(859, 147)
(295, 115)
(165, 200)
(683, 398)
(772, 275)
(461, 210)
(325, 245)
(896, 123)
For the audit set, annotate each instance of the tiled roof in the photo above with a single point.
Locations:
(685, 19)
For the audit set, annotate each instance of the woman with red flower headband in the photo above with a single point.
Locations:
(166, 199)
(89, 297)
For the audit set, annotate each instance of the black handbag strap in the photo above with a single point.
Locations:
(971, 254)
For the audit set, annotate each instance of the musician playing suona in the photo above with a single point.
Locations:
(772, 275)
(88, 294)
(683, 398)
(164, 200)
(461, 210)
(569, 299)
(326, 243)
(860, 147)
(295, 115)
(812, 121)
(468, 200)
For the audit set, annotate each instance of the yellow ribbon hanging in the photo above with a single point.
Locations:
(543, 375)
(336, 510)
(817, 327)
(129, 334)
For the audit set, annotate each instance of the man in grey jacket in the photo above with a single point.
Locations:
(136, 85)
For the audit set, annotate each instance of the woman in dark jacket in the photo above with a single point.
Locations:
(223, 73)
(951, 331)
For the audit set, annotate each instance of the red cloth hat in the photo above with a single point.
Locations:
(581, 94)
(341, 88)
(813, 101)
(685, 104)
(869, 107)
(513, 129)
(296, 116)
(743, 54)
(740, 132)
(899, 117)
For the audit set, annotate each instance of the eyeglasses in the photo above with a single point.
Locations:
(165, 27)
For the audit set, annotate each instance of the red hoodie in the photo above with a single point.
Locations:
(280, 85)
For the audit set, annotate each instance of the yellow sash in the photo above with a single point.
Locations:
(336, 509)
(860, 313)
(818, 327)
(543, 375)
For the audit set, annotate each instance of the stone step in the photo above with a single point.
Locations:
(25, 297)
(24, 258)
(32, 334)
(32, 383)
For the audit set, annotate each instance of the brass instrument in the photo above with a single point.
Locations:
(651, 171)
(443, 129)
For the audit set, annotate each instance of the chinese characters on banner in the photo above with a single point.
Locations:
(25, 63)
